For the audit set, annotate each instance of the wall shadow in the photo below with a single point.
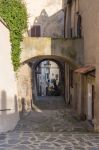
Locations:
(8, 114)
(3, 102)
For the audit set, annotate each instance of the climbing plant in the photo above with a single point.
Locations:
(14, 13)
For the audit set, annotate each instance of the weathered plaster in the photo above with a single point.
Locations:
(8, 88)
(24, 82)
(33, 47)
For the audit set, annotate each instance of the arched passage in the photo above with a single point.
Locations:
(48, 79)
(65, 65)
(27, 78)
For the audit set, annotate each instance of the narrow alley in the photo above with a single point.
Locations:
(49, 79)
(52, 116)
(56, 128)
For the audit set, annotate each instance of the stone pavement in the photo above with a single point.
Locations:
(56, 129)
(48, 141)
(60, 120)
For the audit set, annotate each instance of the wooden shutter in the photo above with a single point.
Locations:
(38, 31)
(35, 31)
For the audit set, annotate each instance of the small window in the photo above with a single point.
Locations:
(79, 32)
(47, 76)
(69, 1)
(36, 31)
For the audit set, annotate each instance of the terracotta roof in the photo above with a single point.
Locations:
(85, 69)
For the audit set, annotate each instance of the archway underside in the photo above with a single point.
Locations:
(55, 58)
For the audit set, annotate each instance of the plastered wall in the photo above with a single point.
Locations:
(8, 89)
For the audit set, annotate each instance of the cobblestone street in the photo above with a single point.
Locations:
(56, 129)
(48, 141)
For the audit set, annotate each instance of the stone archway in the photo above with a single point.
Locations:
(50, 96)
(61, 76)
(26, 77)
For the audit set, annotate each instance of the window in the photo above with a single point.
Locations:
(69, 1)
(47, 75)
(79, 26)
(36, 31)
(73, 19)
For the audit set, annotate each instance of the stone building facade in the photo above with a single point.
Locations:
(82, 22)
(65, 30)
(45, 39)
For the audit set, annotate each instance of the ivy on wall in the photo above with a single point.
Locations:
(14, 13)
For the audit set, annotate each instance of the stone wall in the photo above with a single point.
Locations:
(70, 48)
(90, 28)
(36, 49)
(24, 82)
(90, 23)
(33, 47)
(8, 88)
